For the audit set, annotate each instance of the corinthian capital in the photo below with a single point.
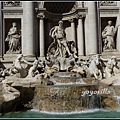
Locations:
(79, 16)
(71, 20)
(41, 16)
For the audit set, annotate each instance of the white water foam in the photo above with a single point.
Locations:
(81, 81)
(57, 83)
(73, 112)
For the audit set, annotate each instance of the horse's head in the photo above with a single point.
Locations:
(113, 60)
(96, 59)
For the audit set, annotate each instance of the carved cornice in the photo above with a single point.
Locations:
(65, 16)
(12, 12)
(82, 10)
(110, 10)
(38, 10)
(78, 13)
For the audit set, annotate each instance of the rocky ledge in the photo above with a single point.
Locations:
(19, 93)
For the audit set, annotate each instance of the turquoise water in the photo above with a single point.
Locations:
(96, 113)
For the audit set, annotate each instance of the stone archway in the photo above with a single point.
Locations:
(58, 9)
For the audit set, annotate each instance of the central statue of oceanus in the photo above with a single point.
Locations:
(61, 47)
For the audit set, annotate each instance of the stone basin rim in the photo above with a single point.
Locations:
(69, 85)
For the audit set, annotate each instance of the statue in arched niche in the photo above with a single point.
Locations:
(108, 35)
(13, 39)
(60, 47)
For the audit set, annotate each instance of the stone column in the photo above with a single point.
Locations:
(118, 31)
(80, 40)
(72, 29)
(118, 36)
(40, 15)
(91, 46)
(28, 16)
(1, 29)
(41, 35)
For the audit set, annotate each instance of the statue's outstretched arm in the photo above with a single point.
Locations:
(12, 31)
(105, 29)
(103, 59)
(25, 61)
(116, 28)
(50, 33)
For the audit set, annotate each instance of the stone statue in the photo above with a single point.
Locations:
(108, 36)
(17, 64)
(78, 67)
(13, 39)
(52, 65)
(33, 70)
(94, 68)
(110, 65)
(58, 34)
(4, 72)
(73, 49)
(25, 71)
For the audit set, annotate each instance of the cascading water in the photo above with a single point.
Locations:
(66, 97)
(118, 99)
(115, 96)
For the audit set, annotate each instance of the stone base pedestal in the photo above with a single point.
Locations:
(12, 57)
(41, 58)
(108, 54)
(17, 52)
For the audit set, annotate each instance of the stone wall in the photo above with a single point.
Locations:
(64, 98)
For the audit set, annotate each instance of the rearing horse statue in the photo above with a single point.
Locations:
(95, 67)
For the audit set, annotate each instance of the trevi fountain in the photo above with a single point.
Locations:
(60, 58)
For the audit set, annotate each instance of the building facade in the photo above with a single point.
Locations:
(83, 22)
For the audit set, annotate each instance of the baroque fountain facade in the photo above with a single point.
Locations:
(59, 56)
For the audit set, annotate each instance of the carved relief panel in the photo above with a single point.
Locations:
(12, 4)
(107, 3)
